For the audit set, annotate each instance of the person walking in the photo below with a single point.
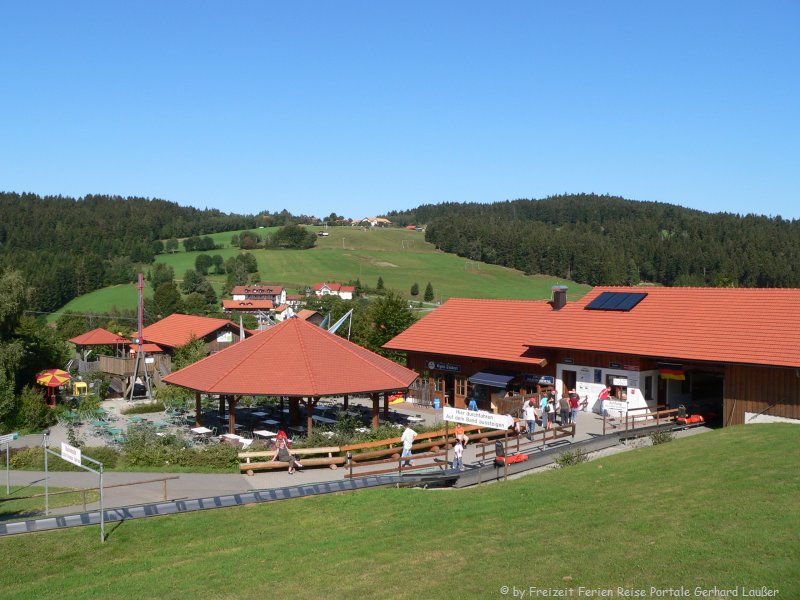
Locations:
(545, 414)
(408, 437)
(458, 456)
(604, 395)
(563, 406)
(574, 404)
(551, 412)
(530, 417)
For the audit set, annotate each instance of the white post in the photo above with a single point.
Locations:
(102, 509)
(45, 434)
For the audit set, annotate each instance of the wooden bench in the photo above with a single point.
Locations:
(331, 461)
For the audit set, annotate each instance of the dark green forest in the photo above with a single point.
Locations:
(607, 240)
(66, 247)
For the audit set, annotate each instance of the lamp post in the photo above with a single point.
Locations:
(45, 444)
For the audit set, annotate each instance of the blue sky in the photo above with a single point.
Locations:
(364, 107)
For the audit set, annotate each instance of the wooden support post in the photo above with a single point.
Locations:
(375, 401)
(294, 411)
(232, 400)
(198, 410)
(505, 456)
(386, 406)
(221, 407)
(346, 402)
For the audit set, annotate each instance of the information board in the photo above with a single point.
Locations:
(477, 417)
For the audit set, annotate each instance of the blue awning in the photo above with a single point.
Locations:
(498, 380)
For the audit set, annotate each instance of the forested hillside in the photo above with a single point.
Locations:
(66, 247)
(604, 240)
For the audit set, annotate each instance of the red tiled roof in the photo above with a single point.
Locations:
(98, 337)
(294, 296)
(257, 289)
(177, 330)
(247, 304)
(724, 325)
(146, 348)
(294, 358)
(727, 325)
(306, 314)
(492, 329)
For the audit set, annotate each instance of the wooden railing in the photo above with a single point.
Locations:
(124, 366)
(643, 416)
(399, 467)
(519, 442)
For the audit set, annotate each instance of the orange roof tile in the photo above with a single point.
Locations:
(258, 288)
(492, 329)
(98, 337)
(294, 358)
(247, 304)
(723, 325)
(728, 325)
(177, 329)
(306, 313)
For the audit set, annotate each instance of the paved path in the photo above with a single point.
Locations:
(197, 485)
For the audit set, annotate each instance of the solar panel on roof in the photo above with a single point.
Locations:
(620, 301)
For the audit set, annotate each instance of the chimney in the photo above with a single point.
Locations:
(559, 297)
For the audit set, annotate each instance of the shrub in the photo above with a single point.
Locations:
(661, 437)
(140, 409)
(32, 459)
(34, 414)
(571, 457)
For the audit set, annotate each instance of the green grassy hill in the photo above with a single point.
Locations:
(401, 257)
(717, 509)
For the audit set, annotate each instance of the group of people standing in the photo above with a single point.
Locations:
(549, 410)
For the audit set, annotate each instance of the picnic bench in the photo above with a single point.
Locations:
(330, 460)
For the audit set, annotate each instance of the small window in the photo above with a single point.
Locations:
(461, 387)
(598, 375)
(648, 387)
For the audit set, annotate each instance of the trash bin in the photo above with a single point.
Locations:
(436, 403)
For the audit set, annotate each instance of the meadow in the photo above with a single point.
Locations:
(400, 257)
(712, 510)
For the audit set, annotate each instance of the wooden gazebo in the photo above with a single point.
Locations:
(298, 360)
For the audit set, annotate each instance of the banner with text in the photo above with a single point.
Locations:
(477, 417)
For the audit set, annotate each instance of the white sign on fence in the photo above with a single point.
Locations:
(10, 437)
(71, 454)
(477, 417)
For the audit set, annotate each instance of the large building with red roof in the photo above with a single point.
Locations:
(728, 352)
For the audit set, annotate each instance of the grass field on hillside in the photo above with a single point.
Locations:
(717, 509)
(400, 256)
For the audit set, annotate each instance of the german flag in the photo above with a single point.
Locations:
(676, 374)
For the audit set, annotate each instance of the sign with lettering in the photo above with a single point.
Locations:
(540, 379)
(10, 437)
(614, 365)
(619, 407)
(477, 417)
(71, 454)
(434, 365)
(568, 361)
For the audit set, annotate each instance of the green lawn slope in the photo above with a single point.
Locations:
(711, 510)
(400, 256)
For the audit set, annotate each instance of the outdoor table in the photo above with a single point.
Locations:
(100, 424)
(415, 419)
(114, 430)
(201, 430)
(259, 414)
(231, 436)
(325, 420)
(270, 422)
(264, 433)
